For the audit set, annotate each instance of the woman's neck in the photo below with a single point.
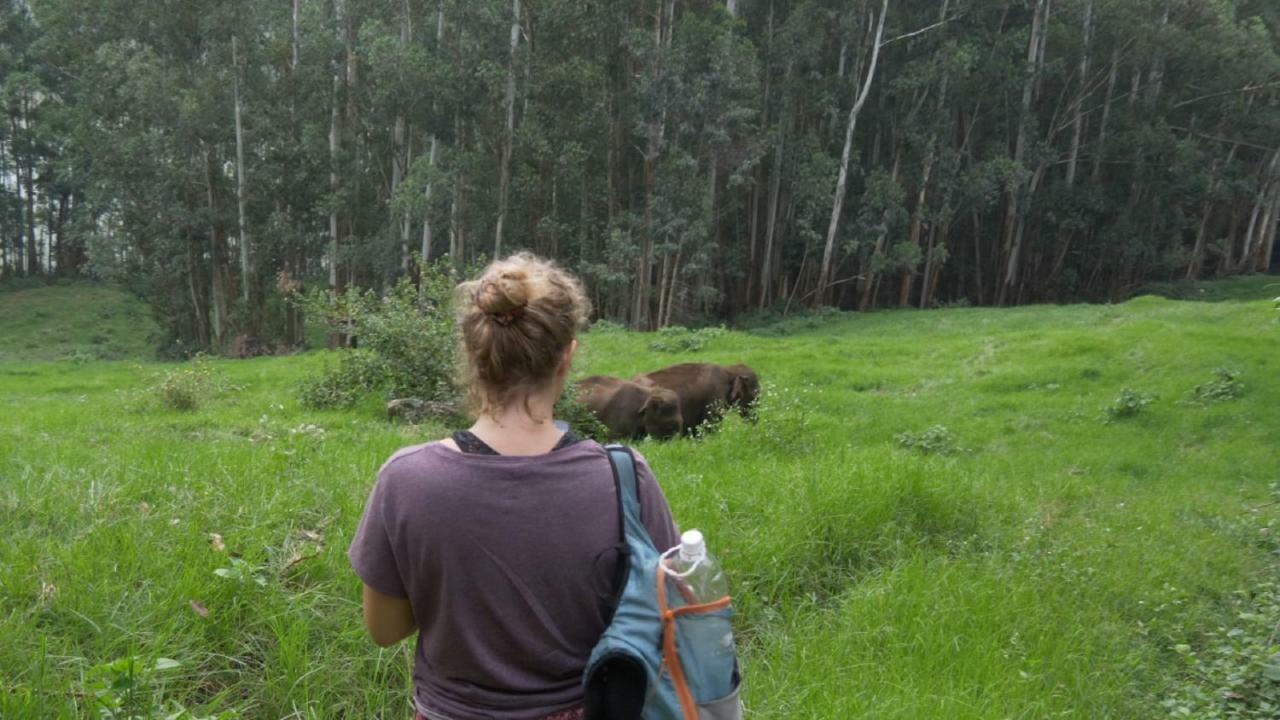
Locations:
(523, 427)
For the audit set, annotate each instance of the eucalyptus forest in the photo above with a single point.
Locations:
(692, 160)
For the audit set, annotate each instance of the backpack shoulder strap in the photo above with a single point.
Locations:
(630, 527)
(626, 486)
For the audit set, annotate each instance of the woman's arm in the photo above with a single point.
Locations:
(388, 619)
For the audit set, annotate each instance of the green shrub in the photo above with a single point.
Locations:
(772, 323)
(937, 440)
(676, 338)
(1225, 386)
(1234, 671)
(581, 420)
(188, 387)
(407, 343)
(1127, 404)
(356, 374)
(605, 327)
(131, 687)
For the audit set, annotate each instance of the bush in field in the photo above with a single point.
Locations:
(407, 344)
(1127, 404)
(1234, 671)
(937, 440)
(604, 327)
(357, 373)
(1225, 386)
(186, 388)
(676, 338)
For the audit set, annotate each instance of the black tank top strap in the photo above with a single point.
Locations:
(469, 444)
(566, 440)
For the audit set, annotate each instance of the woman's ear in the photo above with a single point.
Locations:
(566, 359)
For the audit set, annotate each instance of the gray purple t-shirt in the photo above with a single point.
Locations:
(508, 563)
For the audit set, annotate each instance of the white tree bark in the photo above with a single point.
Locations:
(432, 154)
(245, 267)
(775, 187)
(824, 275)
(333, 184)
(1084, 83)
(504, 179)
(1155, 77)
(1098, 151)
(400, 154)
(1013, 225)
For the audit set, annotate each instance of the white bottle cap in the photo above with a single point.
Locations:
(692, 547)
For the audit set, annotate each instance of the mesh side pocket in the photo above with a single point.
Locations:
(707, 653)
(728, 707)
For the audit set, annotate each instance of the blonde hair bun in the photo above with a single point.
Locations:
(510, 289)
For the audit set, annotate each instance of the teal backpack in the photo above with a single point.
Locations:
(641, 668)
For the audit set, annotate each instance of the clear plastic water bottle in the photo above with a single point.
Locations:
(707, 638)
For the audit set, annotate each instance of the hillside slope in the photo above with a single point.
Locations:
(81, 320)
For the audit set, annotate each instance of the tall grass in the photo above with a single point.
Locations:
(1051, 565)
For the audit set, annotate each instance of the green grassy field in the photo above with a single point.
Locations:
(1037, 559)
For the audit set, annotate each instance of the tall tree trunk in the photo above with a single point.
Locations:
(656, 137)
(294, 256)
(457, 238)
(508, 138)
(1155, 76)
(671, 299)
(433, 153)
(753, 228)
(29, 180)
(1012, 242)
(1226, 264)
(870, 279)
(1197, 251)
(1078, 121)
(917, 221)
(1269, 242)
(1253, 236)
(824, 274)
(1073, 157)
(1257, 261)
(771, 223)
(7, 263)
(775, 185)
(1100, 149)
(355, 138)
(334, 275)
(218, 279)
(917, 215)
(664, 279)
(401, 153)
(246, 272)
(200, 318)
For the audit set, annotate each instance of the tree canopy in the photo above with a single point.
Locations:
(690, 160)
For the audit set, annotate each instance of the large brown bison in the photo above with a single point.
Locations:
(706, 389)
